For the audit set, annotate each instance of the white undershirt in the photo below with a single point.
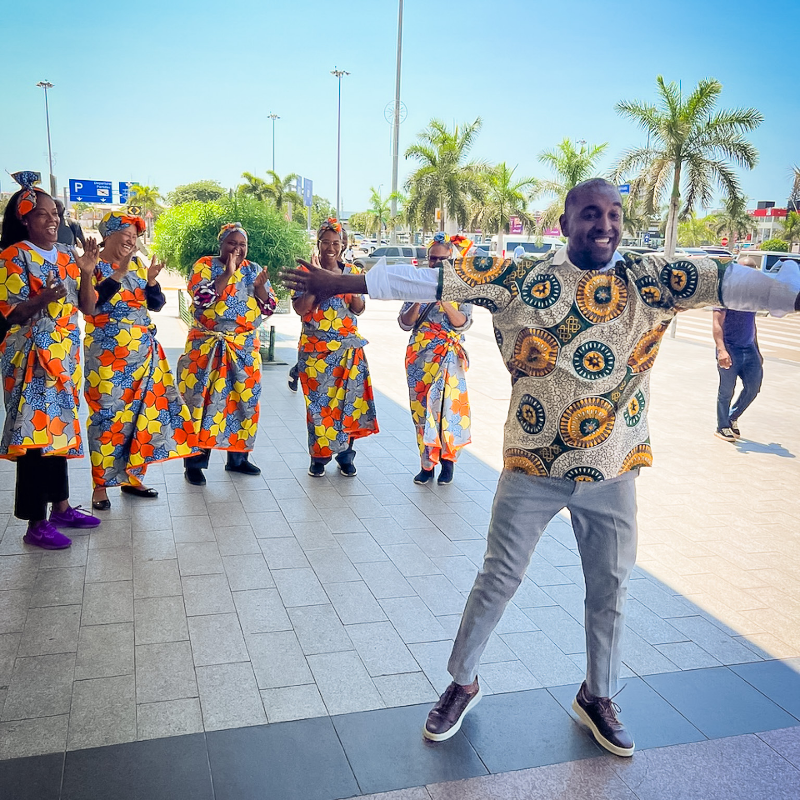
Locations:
(48, 255)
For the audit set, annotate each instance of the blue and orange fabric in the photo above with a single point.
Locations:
(436, 367)
(137, 417)
(335, 377)
(115, 221)
(27, 200)
(219, 373)
(40, 360)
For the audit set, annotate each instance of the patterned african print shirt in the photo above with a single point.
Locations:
(579, 345)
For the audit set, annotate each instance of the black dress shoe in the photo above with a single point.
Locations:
(445, 718)
(600, 715)
(244, 466)
(138, 491)
(101, 505)
(194, 476)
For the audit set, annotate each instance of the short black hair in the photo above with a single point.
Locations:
(592, 183)
(13, 231)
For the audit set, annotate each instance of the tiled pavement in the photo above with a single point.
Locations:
(209, 613)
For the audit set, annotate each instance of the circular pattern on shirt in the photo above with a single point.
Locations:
(593, 360)
(640, 456)
(479, 269)
(535, 352)
(484, 302)
(584, 473)
(602, 297)
(530, 414)
(540, 291)
(515, 459)
(649, 290)
(681, 277)
(634, 410)
(498, 337)
(587, 422)
(646, 349)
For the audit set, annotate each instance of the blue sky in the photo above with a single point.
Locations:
(170, 92)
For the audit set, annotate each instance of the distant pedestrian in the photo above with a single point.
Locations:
(69, 231)
(519, 252)
(738, 356)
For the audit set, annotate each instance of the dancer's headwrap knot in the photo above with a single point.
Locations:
(330, 224)
(26, 202)
(115, 221)
(461, 243)
(229, 228)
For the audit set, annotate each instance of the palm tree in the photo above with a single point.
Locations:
(445, 179)
(794, 197)
(635, 217)
(255, 186)
(145, 196)
(790, 232)
(378, 214)
(734, 221)
(694, 231)
(504, 197)
(571, 166)
(690, 147)
(280, 190)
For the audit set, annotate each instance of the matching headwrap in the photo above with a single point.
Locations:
(461, 243)
(115, 221)
(26, 202)
(330, 224)
(229, 228)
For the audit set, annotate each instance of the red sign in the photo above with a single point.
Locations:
(515, 226)
(724, 241)
(768, 212)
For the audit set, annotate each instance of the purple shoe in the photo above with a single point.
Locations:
(43, 534)
(74, 518)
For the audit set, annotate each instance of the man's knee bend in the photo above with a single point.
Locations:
(499, 583)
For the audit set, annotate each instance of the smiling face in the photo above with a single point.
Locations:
(330, 247)
(592, 221)
(438, 253)
(236, 244)
(120, 243)
(42, 223)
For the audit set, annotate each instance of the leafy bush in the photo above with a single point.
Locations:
(775, 244)
(188, 231)
(204, 191)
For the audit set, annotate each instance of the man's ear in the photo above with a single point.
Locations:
(563, 224)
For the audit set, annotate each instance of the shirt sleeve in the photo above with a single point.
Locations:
(747, 289)
(106, 289)
(14, 280)
(402, 282)
(466, 310)
(154, 296)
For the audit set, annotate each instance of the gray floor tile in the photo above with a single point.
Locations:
(410, 560)
(50, 630)
(247, 572)
(723, 648)
(169, 718)
(312, 535)
(110, 564)
(433, 543)
(229, 696)
(237, 541)
(216, 639)
(227, 513)
(549, 665)
(261, 611)
(360, 547)
(186, 505)
(459, 570)
(785, 741)
(58, 587)
(19, 572)
(160, 619)
(269, 524)
(412, 620)
(199, 558)
(193, 529)
(105, 651)
(438, 594)
(647, 624)
(354, 602)
(105, 603)
(561, 628)
(687, 655)
(299, 587)
(103, 712)
(293, 702)
(331, 565)
(386, 531)
(507, 676)
(164, 671)
(33, 737)
(156, 578)
(406, 689)
(344, 683)
(642, 657)
(41, 686)
(277, 660)
(153, 546)
(319, 629)
(14, 609)
(73, 556)
(385, 580)
(206, 594)
(283, 554)
(381, 649)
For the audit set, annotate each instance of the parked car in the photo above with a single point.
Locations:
(418, 256)
(718, 252)
(769, 261)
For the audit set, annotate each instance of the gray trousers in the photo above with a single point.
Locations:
(604, 521)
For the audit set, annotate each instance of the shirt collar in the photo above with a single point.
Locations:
(561, 258)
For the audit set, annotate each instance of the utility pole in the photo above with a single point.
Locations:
(47, 85)
(396, 124)
(339, 73)
(273, 117)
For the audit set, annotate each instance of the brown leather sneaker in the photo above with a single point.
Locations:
(445, 718)
(600, 714)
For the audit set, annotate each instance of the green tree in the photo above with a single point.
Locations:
(444, 178)
(204, 191)
(254, 186)
(378, 213)
(504, 197)
(695, 231)
(570, 165)
(778, 245)
(146, 197)
(690, 149)
(280, 190)
(733, 221)
(321, 209)
(790, 232)
(635, 217)
(186, 232)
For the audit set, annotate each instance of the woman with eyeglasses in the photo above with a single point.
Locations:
(436, 366)
(333, 369)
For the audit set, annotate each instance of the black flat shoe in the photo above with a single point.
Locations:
(423, 476)
(194, 476)
(245, 467)
(101, 505)
(446, 475)
(137, 491)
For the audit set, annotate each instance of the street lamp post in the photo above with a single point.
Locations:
(339, 73)
(47, 85)
(273, 117)
(396, 128)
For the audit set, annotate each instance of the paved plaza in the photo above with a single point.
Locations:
(284, 636)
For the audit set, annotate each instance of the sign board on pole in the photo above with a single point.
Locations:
(90, 191)
(125, 190)
(308, 192)
(624, 188)
(515, 226)
(298, 185)
(646, 238)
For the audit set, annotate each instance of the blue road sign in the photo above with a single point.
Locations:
(90, 191)
(624, 188)
(298, 185)
(646, 238)
(308, 192)
(125, 190)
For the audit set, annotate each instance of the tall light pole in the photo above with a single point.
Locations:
(273, 117)
(339, 73)
(396, 127)
(47, 85)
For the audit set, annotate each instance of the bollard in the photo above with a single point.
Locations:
(267, 348)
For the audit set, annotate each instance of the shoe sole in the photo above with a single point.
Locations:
(444, 483)
(348, 474)
(316, 474)
(44, 546)
(75, 527)
(725, 438)
(441, 737)
(242, 471)
(623, 752)
(422, 483)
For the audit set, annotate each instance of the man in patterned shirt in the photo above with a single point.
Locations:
(579, 331)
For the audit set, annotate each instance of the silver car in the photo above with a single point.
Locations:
(395, 254)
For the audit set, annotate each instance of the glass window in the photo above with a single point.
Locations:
(408, 252)
(390, 251)
(381, 251)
